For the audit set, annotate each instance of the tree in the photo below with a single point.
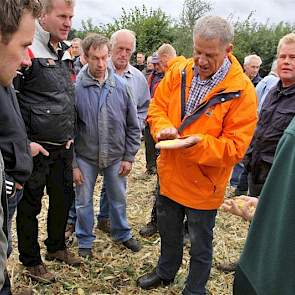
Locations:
(191, 11)
(261, 39)
(152, 27)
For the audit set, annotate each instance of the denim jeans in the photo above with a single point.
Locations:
(115, 188)
(72, 212)
(12, 205)
(235, 177)
(200, 227)
(6, 288)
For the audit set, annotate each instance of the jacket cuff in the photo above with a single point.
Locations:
(128, 158)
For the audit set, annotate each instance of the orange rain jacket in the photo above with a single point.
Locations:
(196, 177)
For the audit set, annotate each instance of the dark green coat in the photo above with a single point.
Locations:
(267, 264)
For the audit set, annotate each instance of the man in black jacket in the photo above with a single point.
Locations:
(46, 100)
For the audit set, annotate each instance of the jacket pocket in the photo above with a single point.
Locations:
(282, 118)
(49, 123)
(50, 75)
(197, 180)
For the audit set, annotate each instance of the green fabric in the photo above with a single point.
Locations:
(268, 259)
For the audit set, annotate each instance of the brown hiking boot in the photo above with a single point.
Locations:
(104, 225)
(64, 256)
(40, 274)
(227, 267)
(70, 229)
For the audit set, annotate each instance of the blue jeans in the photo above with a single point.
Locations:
(200, 228)
(72, 212)
(115, 186)
(235, 177)
(12, 204)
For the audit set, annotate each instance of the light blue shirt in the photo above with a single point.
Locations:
(139, 89)
(263, 88)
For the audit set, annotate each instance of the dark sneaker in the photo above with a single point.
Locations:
(152, 281)
(132, 244)
(40, 274)
(70, 229)
(227, 267)
(149, 230)
(63, 256)
(104, 225)
(85, 253)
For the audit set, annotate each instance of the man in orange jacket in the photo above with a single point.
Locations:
(211, 100)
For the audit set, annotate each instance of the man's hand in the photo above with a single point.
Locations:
(68, 144)
(168, 133)
(78, 176)
(242, 206)
(125, 168)
(37, 148)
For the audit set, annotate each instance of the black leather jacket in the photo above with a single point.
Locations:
(277, 112)
(46, 93)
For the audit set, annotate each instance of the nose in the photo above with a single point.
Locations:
(202, 60)
(68, 22)
(100, 63)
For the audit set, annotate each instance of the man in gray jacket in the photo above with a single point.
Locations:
(107, 140)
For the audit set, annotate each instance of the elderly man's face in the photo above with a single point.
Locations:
(15, 53)
(209, 56)
(286, 64)
(252, 68)
(122, 50)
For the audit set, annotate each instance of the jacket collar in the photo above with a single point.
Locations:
(127, 72)
(42, 48)
(286, 91)
(88, 81)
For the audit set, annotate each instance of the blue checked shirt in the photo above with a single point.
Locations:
(200, 88)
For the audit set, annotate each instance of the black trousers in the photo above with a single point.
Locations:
(200, 228)
(151, 152)
(257, 178)
(54, 172)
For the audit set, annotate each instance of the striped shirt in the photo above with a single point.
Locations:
(200, 88)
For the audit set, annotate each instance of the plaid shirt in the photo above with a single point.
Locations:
(200, 88)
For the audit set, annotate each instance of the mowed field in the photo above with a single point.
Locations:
(114, 269)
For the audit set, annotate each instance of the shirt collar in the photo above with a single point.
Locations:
(222, 71)
(127, 71)
(95, 79)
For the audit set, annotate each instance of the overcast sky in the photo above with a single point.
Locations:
(104, 11)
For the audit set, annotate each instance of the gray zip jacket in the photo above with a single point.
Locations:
(107, 126)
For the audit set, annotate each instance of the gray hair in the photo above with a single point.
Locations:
(167, 49)
(214, 27)
(287, 39)
(248, 59)
(113, 39)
